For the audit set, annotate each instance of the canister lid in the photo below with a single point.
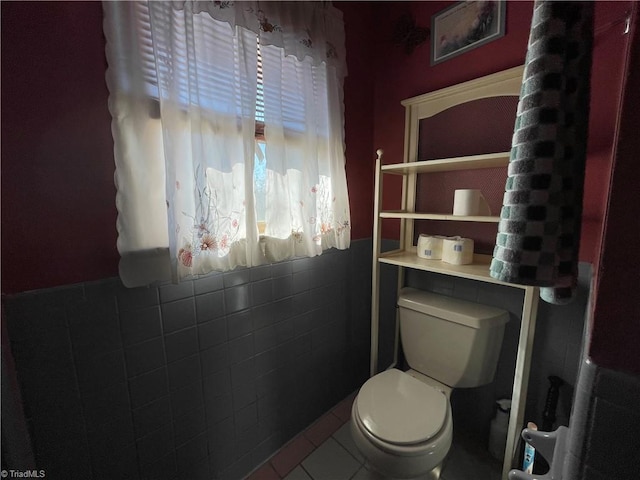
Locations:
(397, 408)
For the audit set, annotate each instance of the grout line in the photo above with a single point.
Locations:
(270, 460)
(351, 396)
(306, 471)
(357, 472)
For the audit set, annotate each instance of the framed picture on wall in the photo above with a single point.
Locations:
(465, 26)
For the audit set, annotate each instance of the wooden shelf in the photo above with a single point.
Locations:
(437, 216)
(490, 160)
(478, 270)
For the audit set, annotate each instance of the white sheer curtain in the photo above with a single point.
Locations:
(184, 82)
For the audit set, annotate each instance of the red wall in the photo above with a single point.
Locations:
(400, 76)
(358, 99)
(615, 333)
(58, 196)
(58, 208)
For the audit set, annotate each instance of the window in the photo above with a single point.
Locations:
(260, 161)
(228, 128)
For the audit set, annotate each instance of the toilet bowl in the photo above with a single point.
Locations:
(402, 425)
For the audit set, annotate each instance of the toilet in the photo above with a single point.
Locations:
(401, 421)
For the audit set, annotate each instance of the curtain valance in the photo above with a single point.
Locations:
(302, 29)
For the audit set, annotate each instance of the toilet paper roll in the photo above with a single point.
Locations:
(430, 247)
(470, 202)
(457, 250)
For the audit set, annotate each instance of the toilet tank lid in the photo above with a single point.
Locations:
(474, 315)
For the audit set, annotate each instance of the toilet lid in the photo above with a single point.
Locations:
(397, 408)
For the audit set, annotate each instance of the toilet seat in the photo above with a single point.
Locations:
(391, 406)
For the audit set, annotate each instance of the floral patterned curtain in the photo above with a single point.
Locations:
(189, 82)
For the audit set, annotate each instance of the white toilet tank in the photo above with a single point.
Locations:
(453, 341)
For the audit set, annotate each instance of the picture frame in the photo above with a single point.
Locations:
(464, 26)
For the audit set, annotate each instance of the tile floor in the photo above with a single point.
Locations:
(325, 451)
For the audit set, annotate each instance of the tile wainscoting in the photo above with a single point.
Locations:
(204, 379)
(209, 378)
